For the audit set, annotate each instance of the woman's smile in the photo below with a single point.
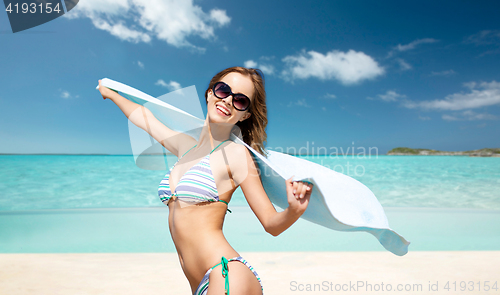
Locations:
(222, 110)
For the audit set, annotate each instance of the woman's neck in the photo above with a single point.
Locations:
(214, 133)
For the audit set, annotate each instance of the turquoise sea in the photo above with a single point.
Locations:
(101, 203)
(33, 182)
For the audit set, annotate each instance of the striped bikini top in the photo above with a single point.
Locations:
(197, 185)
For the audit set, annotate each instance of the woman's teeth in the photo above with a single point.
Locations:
(223, 110)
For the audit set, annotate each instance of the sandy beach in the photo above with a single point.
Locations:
(129, 251)
(419, 272)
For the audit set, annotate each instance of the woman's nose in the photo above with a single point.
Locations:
(227, 100)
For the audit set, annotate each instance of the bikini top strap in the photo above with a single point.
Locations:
(210, 152)
(188, 151)
(218, 145)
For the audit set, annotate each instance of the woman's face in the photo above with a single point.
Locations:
(222, 110)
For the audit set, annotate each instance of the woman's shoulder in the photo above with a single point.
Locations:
(237, 150)
(239, 156)
(240, 161)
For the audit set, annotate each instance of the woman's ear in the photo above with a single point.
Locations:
(245, 116)
(208, 94)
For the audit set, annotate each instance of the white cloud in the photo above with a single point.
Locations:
(300, 103)
(330, 96)
(121, 31)
(250, 64)
(449, 118)
(484, 38)
(220, 16)
(389, 96)
(490, 38)
(347, 67)
(468, 116)
(410, 46)
(479, 95)
(265, 68)
(403, 64)
(65, 94)
(414, 44)
(172, 85)
(443, 73)
(172, 21)
(424, 118)
(161, 83)
(140, 64)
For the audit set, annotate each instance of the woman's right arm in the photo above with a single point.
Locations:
(144, 119)
(248, 176)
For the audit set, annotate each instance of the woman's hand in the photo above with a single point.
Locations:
(106, 92)
(298, 195)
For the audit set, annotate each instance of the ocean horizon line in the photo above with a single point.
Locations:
(237, 207)
(169, 154)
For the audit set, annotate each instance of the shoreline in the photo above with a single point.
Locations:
(405, 151)
(145, 230)
(240, 207)
(426, 272)
(448, 154)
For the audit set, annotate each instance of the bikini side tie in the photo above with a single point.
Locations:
(225, 273)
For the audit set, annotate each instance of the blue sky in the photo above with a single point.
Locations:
(377, 74)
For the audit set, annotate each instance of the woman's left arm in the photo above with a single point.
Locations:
(298, 194)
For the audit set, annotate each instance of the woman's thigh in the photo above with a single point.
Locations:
(242, 281)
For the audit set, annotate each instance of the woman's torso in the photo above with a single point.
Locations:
(196, 213)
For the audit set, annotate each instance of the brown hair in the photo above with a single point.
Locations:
(253, 128)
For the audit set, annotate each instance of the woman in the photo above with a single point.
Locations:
(200, 185)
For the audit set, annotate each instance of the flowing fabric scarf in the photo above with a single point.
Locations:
(338, 202)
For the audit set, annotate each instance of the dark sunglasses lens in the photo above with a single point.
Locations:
(241, 102)
(222, 90)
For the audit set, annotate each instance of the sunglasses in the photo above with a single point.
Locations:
(221, 90)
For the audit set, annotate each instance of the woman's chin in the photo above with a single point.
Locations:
(215, 117)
